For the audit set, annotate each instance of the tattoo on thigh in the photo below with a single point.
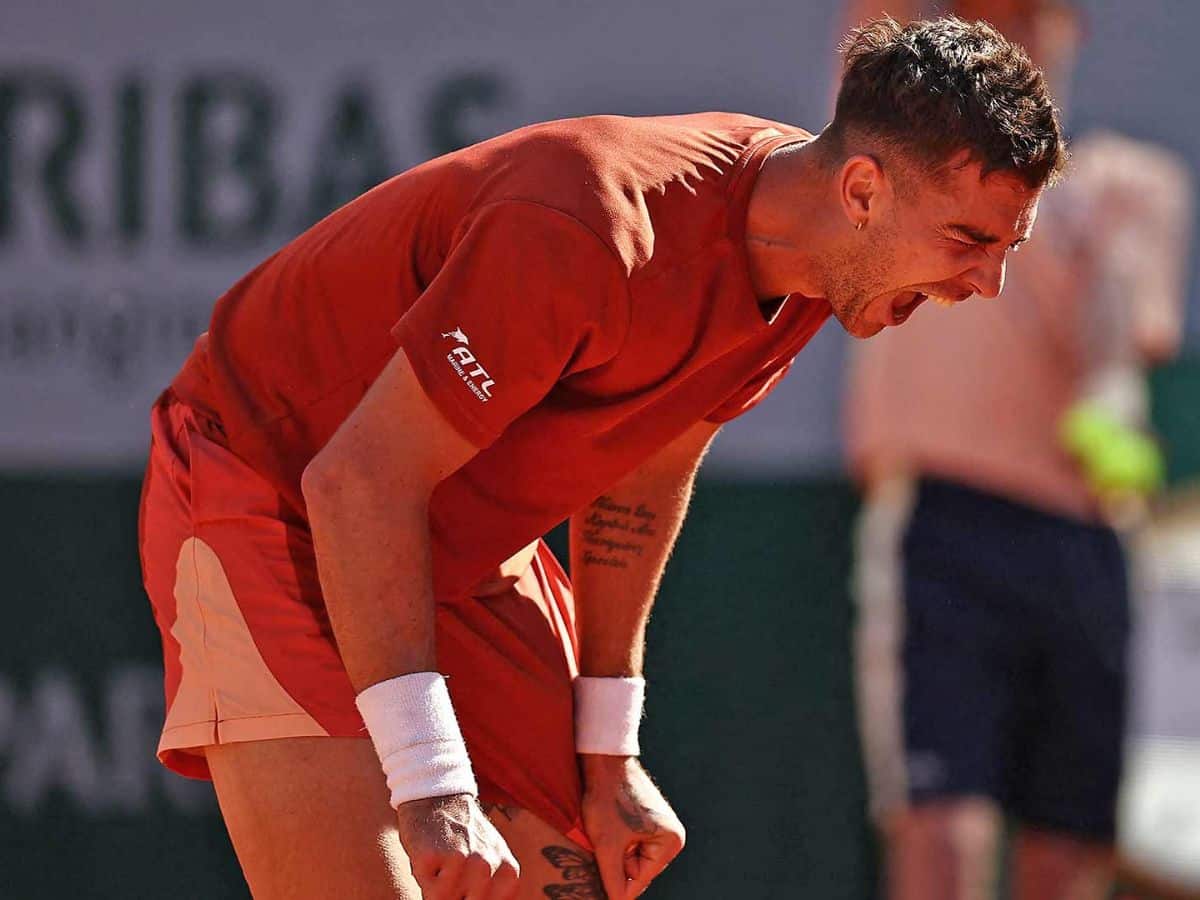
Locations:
(637, 818)
(580, 873)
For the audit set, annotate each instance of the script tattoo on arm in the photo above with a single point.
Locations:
(615, 533)
(580, 875)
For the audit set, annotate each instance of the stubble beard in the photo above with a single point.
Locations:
(857, 275)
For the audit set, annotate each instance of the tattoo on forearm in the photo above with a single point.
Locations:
(639, 819)
(579, 872)
(615, 533)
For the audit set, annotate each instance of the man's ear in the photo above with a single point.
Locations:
(861, 183)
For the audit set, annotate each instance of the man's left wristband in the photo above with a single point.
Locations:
(608, 714)
(412, 724)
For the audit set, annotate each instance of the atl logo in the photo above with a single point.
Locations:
(469, 369)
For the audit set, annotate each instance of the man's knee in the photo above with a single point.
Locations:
(944, 849)
(970, 826)
(974, 827)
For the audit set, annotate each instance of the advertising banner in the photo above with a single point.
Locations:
(151, 155)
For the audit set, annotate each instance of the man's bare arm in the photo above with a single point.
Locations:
(367, 493)
(619, 548)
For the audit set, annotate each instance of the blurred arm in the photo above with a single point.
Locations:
(1133, 215)
(1141, 227)
(1137, 200)
(1158, 296)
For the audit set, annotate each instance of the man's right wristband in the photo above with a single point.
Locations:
(412, 724)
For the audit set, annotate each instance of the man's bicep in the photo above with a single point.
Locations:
(396, 438)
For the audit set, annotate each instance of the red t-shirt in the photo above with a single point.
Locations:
(572, 296)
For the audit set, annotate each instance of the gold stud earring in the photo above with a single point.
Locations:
(859, 226)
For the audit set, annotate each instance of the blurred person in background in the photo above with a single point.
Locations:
(996, 444)
(349, 478)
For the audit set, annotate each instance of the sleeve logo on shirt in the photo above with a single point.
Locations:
(468, 368)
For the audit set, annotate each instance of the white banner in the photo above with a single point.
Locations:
(152, 154)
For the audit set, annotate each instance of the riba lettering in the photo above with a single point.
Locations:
(222, 185)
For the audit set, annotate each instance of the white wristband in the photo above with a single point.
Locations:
(607, 714)
(412, 725)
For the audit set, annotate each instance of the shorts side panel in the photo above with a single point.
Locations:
(223, 669)
(232, 576)
(209, 541)
(164, 523)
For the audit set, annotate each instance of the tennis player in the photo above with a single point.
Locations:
(368, 648)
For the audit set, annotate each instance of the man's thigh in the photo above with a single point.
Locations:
(309, 818)
(552, 865)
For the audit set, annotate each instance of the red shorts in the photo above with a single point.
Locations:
(249, 654)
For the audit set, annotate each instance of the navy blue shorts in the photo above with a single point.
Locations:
(1014, 657)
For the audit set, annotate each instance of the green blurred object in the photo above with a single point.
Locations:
(1116, 458)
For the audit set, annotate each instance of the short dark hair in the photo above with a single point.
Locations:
(936, 88)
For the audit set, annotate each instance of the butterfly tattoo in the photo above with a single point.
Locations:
(578, 870)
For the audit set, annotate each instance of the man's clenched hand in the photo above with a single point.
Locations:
(455, 850)
(635, 832)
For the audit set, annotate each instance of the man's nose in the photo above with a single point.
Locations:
(988, 278)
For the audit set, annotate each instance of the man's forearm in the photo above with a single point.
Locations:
(373, 561)
(367, 496)
(619, 547)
